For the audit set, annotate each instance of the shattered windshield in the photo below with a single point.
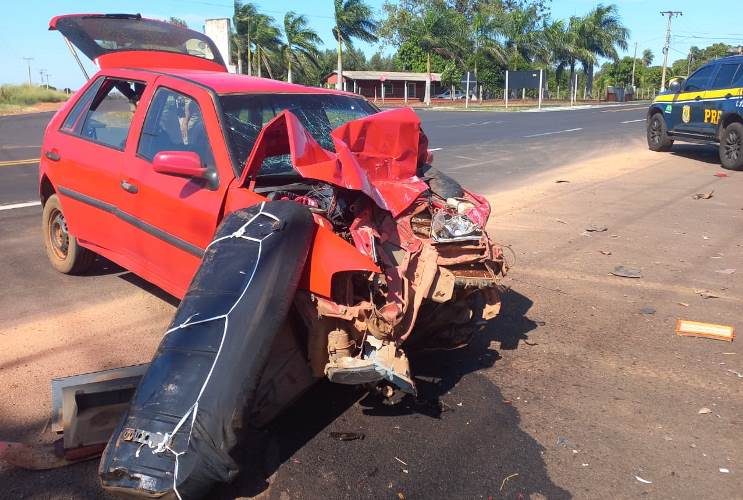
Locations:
(246, 114)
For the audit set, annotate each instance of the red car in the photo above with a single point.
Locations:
(164, 157)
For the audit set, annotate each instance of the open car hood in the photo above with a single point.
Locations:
(378, 155)
(131, 41)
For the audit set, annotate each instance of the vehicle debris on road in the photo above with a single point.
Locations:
(726, 271)
(688, 328)
(347, 436)
(703, 196)
(706, 294)
(626, 272)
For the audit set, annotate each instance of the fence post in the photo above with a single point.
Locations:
(540, 90)
(505, 95)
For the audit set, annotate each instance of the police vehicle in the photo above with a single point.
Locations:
(707, 107)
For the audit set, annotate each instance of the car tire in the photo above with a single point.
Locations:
(657, 134)
(731, 146)
(63, 250)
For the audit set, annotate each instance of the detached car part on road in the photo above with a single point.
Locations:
(707, 107)
(306, 233)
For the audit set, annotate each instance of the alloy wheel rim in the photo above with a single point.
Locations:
(59, 237)
(655, 131)
(733, 145)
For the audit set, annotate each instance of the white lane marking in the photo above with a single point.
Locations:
(436, 149)
(20, 205)
(552, 133)
(633, 121)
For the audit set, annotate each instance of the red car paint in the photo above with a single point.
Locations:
(172, 206)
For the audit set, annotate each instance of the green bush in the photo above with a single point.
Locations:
(29, 94)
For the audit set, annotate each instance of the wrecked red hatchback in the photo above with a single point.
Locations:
(304, 230)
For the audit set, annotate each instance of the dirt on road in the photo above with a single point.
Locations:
(596, 396)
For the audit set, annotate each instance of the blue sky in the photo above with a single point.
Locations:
(23, 26)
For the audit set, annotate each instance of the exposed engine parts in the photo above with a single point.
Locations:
(437, 285)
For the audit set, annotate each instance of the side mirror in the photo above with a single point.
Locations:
(181, 163)
(675, 84)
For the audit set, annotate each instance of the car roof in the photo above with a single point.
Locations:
(735, 58)
(231, 83)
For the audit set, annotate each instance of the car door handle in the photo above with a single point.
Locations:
(728, 95)
(52, 155)
(698, 98)
(129, 187)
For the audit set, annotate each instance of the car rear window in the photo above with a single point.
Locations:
(96, 35)
(246, 114)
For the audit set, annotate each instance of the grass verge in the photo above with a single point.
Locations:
(27, 95)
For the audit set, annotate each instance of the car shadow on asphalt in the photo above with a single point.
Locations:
(460, 436)
(102, 267)
(701, 152)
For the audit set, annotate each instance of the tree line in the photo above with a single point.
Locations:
(449, 37)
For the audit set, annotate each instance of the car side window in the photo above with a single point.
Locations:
(174, 122)
(725, 75)
(699, 80)
(109, 117)
(738, 78)
(73, 122)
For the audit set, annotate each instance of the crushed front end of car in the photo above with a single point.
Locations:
(438, 272)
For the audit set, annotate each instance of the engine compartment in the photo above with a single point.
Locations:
(438, 285)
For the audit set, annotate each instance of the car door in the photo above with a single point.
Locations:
(174, 217)
(688, 109)
(85, 159)
(724, 92)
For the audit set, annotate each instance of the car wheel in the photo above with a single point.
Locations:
(658, 139)
(64, 252)
(731, 146)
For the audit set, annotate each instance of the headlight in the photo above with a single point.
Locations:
(447, 227)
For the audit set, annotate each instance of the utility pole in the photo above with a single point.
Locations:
(671, 14)
(634, 60)
(28, 61)
(41, 76)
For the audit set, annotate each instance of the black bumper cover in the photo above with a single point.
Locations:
(176, 437)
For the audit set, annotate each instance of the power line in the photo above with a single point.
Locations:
(691, 37)
(671, 14)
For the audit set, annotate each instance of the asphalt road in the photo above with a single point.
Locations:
(465, 437)
(482, 149)
(498, 150)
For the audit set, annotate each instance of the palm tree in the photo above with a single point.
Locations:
(519, 28)
(601, 33)
(267, 42)
(300, 41)
(564, 47)
(353, 19)
(243, 19)
(433, 32)
(647, 57)
(486, 46)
